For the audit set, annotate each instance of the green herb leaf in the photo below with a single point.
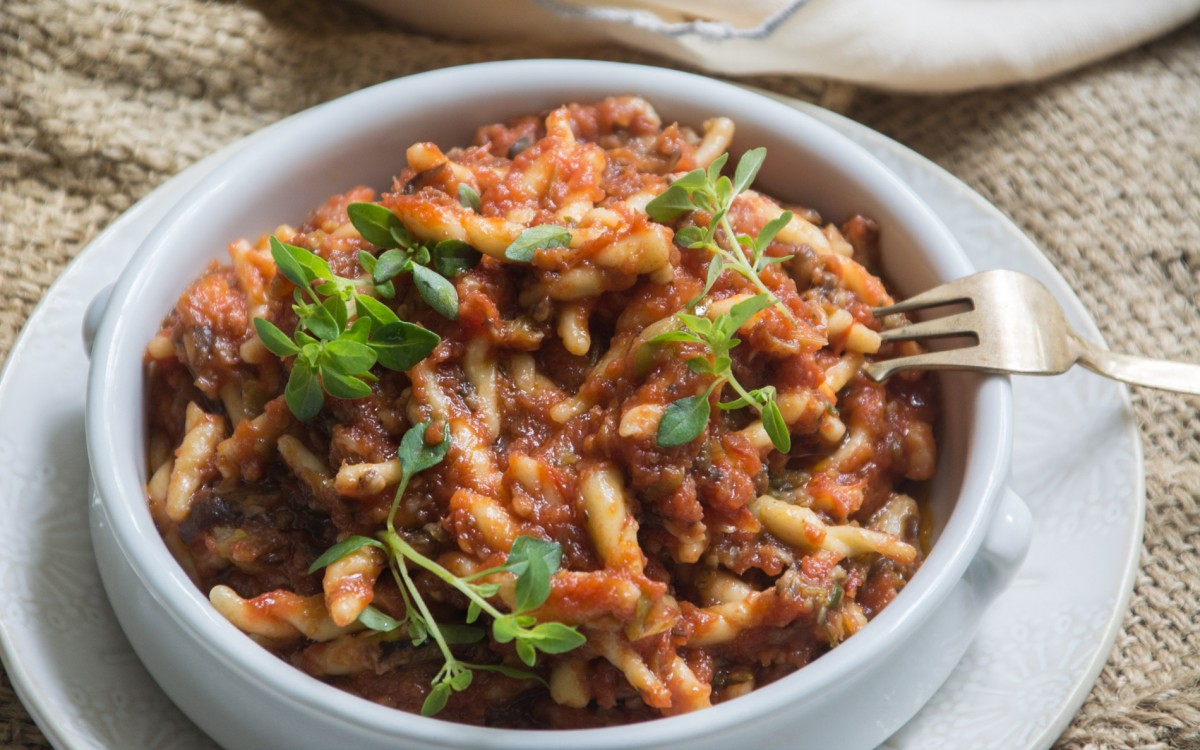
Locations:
(343, 548)
(766, 235)
(292, 270)
(372, 309)
(374, 223)
(505, 629)
(759, 396)
(418, 630)
(523, 248)
(461, 680)
(321, 321)
(713, 173)
(276, 341)
(683, 421)
(701, 366)
(474, 610)
(439, 293)
(747, 168)
(401, 236)
(486, 589)
(528, 548)
(303, 392)
(367, 261)
(556, 638)
(715, 268)
(670, 204)
(740, 313)
(694, 181)
(688, 337)
(533, 584)
(350, 356)
(527, 652)
(690, 236)
(387, 290)
(340, 385)
(390, 264)
(301, 267)
(401, 345)
(450, 257)
(359, 332)
(436, 700)
(699, 325)
(468, 197)
(373, 619)
(776, 428)
(415, 455)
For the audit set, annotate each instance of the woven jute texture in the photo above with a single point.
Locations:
(101, 101)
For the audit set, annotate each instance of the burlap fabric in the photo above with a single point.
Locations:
(101, 101)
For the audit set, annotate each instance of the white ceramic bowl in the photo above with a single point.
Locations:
(244, 697)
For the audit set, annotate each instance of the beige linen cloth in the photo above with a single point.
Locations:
(909, 45)
(103, 100)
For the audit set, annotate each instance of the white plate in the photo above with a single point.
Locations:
(1077, 463)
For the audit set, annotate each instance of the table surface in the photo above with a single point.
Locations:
(102, 102)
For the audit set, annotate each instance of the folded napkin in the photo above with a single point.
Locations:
(707, 18)
(914, 45)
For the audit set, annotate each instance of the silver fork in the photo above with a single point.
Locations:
(1018, 327)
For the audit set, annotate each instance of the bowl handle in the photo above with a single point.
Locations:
(1003, 548)
(93, 315)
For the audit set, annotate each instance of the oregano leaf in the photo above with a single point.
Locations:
(373, 619)
(468, 197)
(350, 544)
(374, 223)
(437, 292)
(400, 345)
(276, 341)
(776, 428)
(683, 421)
(528, 242)
(303, 392)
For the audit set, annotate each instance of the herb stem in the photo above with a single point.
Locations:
(746, 268)
(750, 400)
(436, 632)
(403, 549)
(391, 519)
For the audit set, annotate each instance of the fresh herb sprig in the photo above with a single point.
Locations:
(533, 561)
(333, 356)
(710, 191)
(684, 419)
(431, 266)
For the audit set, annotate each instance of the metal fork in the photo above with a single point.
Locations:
(1018, 327)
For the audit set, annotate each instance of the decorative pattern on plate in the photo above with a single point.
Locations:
(1077, 462)
(1016, 667)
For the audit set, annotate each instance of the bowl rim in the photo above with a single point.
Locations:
(189, 608)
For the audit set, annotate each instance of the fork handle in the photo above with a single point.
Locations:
(1180, 377)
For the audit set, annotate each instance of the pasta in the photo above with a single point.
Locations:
(696, 570)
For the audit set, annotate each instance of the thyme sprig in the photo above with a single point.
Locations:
(710, 191)
(684, 419)
(333, 356)
(533, 561)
